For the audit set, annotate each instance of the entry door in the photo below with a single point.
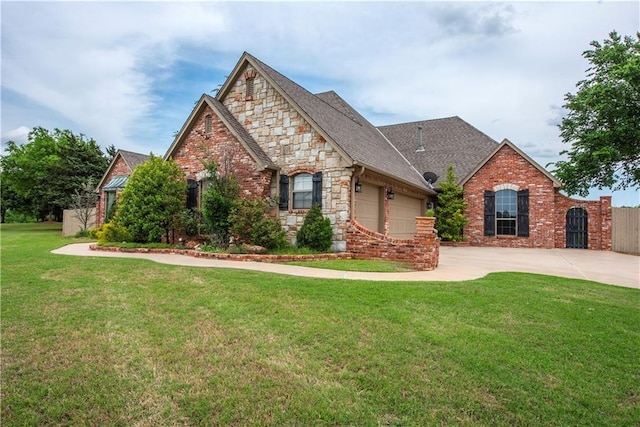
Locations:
(577, 234)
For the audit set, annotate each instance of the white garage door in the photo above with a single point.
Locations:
(403, 211)
(368, 207)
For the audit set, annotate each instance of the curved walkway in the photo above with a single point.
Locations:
(463, 263)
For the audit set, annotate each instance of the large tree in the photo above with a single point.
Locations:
(449, 210)
(153, 199)
(45, 172)
(603, 120)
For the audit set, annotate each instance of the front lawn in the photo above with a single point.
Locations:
(110, 341)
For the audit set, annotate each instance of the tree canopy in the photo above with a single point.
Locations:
(449, 210)
(42, 175)
(153, 199)
(603, 120)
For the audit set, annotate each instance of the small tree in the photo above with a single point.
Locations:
(449, 218)
(316, 232)
(152, 200)
(83, 201)
(218, 202)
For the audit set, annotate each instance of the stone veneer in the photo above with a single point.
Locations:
(120, 167)
(547, 207)
(292, 143)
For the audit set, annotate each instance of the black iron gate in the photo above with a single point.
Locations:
(577, 235)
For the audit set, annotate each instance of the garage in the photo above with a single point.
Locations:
(403, 211)
(368, 207)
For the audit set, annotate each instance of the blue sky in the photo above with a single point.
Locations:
(128, 74)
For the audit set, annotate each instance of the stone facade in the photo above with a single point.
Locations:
(120, 167)
(547, 207)
(292, 144)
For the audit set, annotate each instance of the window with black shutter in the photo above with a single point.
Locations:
(523, 213)
(284, 193)
(489, 213)
(316, 192)
(192, 194)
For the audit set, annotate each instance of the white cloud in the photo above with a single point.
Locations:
(18, 135)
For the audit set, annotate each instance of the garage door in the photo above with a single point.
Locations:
(403, 211)
(368, 207)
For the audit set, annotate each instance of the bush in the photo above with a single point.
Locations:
(316, 232)
(81, 233)
(250, 223)
(218, 202)
(450, 220)
(189, 222)
(113, 232)
(93, 232)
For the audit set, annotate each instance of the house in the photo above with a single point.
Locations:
(512, 200)
(374, 184)
(114, 180)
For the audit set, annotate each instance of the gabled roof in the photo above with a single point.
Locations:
(446, 141)
(252, 147)
(506, 142)
(357, 140)
(130, 158)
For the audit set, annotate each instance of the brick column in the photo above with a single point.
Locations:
(605, 225)
(427, 252)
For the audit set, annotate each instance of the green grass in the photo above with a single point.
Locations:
(376, 266)
(107, 341)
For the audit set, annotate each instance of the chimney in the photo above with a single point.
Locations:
(420, 142)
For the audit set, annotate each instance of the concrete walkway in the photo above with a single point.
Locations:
(456, 264)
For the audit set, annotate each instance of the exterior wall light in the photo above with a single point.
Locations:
(358, 186)
(390, 193)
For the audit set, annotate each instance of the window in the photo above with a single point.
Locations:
(506, 213)
(506, 202)
(306, 191)
(302, 188)
(110, 205)
(249, 94)
(192, 194)
(208, 125)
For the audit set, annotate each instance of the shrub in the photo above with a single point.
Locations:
(81, 233)
(218, 202)
(250, 223)
(93, 232)
(113, 232)
(316, 232)
(449, 218)
(189, 222)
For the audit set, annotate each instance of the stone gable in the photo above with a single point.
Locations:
(295, 146)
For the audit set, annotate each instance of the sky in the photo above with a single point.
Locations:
(129, 73)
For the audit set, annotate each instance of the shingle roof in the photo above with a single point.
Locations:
(230, 121)
(133, 159)
(351, 132)
(447, 141)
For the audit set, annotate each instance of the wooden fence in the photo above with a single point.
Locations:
(625, 230)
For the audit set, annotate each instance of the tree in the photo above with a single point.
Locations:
(46, 171)
(603, 120)
(449, 210)
(316, 232)
(83, 202)
(218, 202)
(152, 201)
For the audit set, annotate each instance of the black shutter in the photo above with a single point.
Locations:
(489, 213)
(316, 192)
(523, 213)
(284, 193)
(192, 194)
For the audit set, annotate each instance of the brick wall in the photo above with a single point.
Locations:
(294, 145)
(221, 146)
(547, 207)
(422, 251)
(508, 167)
(598, 224)
(119, 168)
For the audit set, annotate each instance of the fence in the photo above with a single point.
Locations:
(71, 225)
(625, 230)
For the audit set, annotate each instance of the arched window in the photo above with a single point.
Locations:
(302, 188)
(506, 212)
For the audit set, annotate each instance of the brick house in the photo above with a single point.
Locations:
(512, 200)
(114, 180)
(299, 148)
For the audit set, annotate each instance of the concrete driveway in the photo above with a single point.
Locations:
(465, 263)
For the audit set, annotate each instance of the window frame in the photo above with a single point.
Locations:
(306, 193)
(510, 206)
(208, 124)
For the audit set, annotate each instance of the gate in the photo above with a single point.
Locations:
(577, 235)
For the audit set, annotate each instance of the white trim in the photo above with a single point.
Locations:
(506, 187)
